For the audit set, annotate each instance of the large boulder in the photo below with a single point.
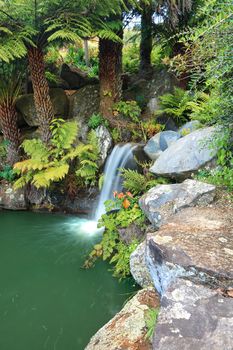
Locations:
(12, 199)
(196, 244)
(189, 127)
(138, 266)
(84, 103)
(127, 330)
(162, 201)
(187, 155)
(193, 317)
(159, 143)
(26, 107)
(75, 77)
(105, 142)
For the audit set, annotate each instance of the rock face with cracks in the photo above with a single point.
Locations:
(197, 244)
(193, 317)
(162, 201)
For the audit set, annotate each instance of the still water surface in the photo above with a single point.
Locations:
(47, 302)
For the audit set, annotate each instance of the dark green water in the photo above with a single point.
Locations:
(46, 300)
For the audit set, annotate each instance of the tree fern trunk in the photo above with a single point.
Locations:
(8, 122)
(43, 104)
(110, 71)
(146, 37)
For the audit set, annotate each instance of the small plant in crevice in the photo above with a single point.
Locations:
(121, 213)
(151, 319)
(97, 120)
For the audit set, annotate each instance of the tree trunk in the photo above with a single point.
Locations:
(8, 121)
(43, 104)
(146, 37)
(110, 71)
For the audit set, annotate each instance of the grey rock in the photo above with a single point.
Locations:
(132, 232)
(36, 196)
(186, 155)
(75, 77)
(162, 201)
(12, 199)
(127, 330)
(189, 127)
(195, 244)
(26, 107)
(193, 317)
(159, 143)
(138, 266)
(83, 104)
(105, 142)
(153, 104)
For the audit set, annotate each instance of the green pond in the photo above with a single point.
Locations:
(47, 301)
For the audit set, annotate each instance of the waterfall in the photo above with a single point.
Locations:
(120, 157)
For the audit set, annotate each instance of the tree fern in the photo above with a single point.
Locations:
(50, 163)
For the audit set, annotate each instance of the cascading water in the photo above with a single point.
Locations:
(121, 156)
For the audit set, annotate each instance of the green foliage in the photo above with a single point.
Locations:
(3, 149)
(7, 173)
(51, 163)
(75, 56)
(97, 120)
(151, 319)
(223, 174)
(88, 167)
(121, 213)
(129, 110)
(176, 105)
(140, 183)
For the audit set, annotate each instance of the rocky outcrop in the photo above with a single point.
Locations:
(83, 104)
(75, 77)
(12, 199)
(187, 155)
(105, 142)
(127, 330)
(197, 244)
(193, 317)
(162, 201)
(26, 107)
(138, 266)
(159, 143)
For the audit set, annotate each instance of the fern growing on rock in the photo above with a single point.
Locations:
(48, 163)
(138, 183)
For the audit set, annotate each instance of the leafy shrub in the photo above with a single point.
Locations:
(128, 109)
(121, 212)
(140, 183)
(223, 174)
(75, 56)
(51, 163)
(97, 120)
(204, 106)
(7, 173)
(176, 105)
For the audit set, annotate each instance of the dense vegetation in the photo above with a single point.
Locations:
(191, 39)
